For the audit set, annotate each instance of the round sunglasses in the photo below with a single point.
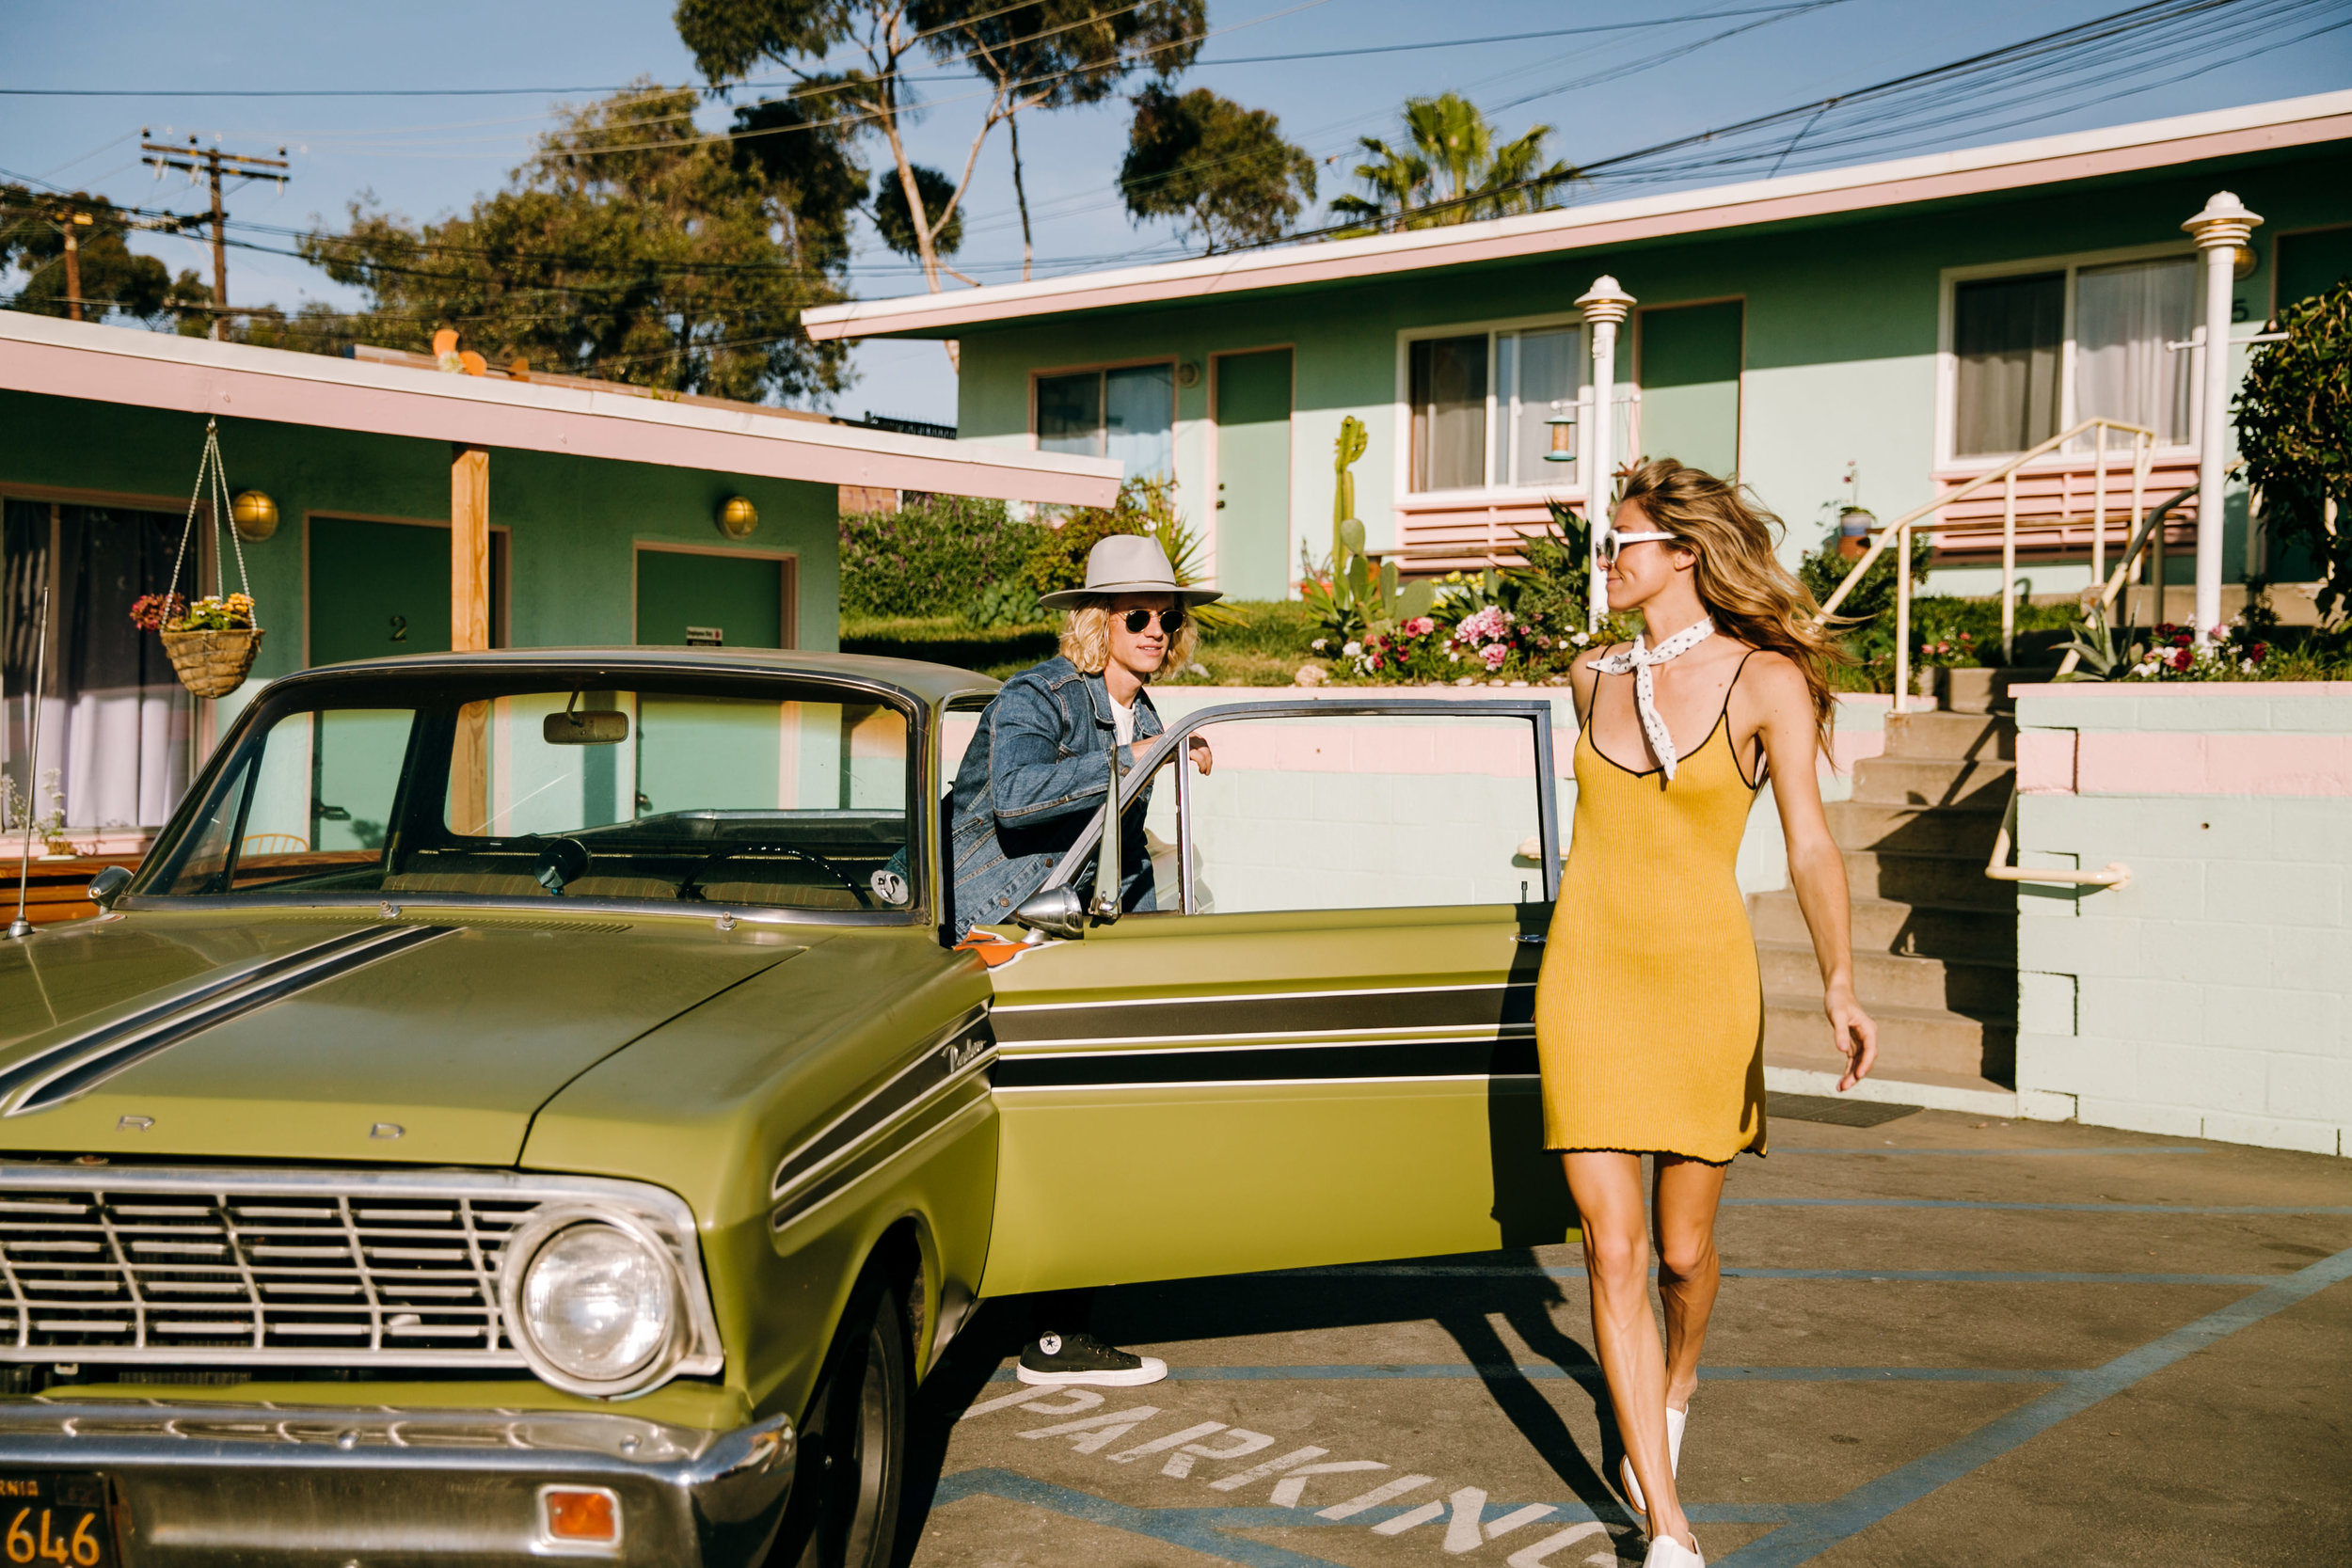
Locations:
(1171, 621)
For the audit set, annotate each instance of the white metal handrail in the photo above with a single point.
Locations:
(1899, 532)
(2115, 874)
(2149, 527)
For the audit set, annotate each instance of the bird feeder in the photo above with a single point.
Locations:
(1563, 446)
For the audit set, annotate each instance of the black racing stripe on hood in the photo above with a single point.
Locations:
(122, 1045)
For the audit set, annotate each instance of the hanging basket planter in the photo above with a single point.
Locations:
(212, 663)
(212, 642)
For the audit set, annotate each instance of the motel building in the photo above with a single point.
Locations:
(1869, 336)
(392, 507)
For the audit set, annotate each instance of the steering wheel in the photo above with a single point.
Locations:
(688, 888)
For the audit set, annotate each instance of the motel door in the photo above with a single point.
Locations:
(1253, 474)
(698, 599)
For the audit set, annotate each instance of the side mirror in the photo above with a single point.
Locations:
(1056, 911)
(108, 884)
(1107, 869)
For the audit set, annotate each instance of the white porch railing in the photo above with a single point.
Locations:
(1898, 533)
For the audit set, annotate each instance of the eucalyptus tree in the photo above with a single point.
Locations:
(849, 60)
(1220, 170)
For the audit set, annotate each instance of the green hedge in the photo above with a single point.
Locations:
(932, 556)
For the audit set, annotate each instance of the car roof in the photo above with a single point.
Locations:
(928, 684)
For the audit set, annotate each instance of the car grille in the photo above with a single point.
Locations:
(274, 1272)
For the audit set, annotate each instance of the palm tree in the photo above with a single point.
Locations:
(1451, 172)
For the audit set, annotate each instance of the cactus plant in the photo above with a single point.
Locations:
(1359, 597)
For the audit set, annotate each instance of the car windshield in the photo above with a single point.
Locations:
(791, 796)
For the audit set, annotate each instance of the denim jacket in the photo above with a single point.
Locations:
(1034, 775)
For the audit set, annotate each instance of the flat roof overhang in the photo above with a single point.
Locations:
(2253, 131)
(152, 369)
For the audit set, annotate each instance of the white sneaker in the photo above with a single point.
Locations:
(1676, 1420)
(1666, 1552)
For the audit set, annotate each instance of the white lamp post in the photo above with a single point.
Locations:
(2221, 230)
(1604, 305)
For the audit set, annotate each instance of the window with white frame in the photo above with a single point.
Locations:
(1128, 413)
(1480, 402)
(2036, 351)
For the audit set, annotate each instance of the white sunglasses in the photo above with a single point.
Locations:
(1611, 543)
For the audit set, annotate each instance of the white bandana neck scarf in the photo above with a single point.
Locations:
(1640, 659)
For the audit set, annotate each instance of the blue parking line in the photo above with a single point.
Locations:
(1935, 1277)
(1546, 1372)
(2010, 1154)
(2037, 1207)
(1812, 1530)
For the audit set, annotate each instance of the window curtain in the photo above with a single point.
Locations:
(2005, 333)
(1449, 398)
(1550, 374)
(114, 721)
(1070, 413)
(1139, 420)
(2123, 316)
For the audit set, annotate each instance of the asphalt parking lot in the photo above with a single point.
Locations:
(1945, 1339)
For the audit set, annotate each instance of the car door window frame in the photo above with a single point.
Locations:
(1539, 714)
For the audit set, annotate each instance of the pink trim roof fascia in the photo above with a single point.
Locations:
(147, 369)
(2080, 155)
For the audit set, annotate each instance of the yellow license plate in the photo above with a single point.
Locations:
(56, 1519)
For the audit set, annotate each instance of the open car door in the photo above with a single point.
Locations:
(1319, 1049)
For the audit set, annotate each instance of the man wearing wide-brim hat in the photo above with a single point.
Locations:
(1036, 774)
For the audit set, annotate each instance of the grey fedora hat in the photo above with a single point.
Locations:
(1127, 564)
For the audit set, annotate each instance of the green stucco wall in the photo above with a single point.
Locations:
(572, 522)
(1840, 318)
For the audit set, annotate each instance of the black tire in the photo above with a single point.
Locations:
(844, 1512)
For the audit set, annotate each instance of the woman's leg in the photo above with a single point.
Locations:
(1608, 1191)
(1689, 1271)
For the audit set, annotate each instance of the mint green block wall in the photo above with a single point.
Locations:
(572, 522)
(2213, 994)
(1840, 319)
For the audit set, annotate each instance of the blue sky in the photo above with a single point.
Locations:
(1604, 94)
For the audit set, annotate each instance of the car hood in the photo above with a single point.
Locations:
(304, 1035)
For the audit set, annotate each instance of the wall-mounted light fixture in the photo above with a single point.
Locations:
(738, 517)
(255, 516)
(1187, 374)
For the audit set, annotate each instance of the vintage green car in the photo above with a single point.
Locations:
(530, 1105)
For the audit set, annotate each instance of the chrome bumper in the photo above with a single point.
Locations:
(378, 1487)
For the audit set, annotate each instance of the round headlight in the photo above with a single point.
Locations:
(599, 1305)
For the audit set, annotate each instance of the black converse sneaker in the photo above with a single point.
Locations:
(1083, 1358)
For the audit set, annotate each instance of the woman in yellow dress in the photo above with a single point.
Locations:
(1649, 1011)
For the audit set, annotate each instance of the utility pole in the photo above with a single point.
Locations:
(213, 164)
(69, 221)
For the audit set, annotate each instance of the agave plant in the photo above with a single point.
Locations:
(2097, 657)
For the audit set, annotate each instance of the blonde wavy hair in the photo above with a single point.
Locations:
(1746, 590)
(1086, 640)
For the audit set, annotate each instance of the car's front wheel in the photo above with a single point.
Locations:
(844, 1512)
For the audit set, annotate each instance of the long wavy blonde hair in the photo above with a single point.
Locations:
(1086, 640)
(1746, 590)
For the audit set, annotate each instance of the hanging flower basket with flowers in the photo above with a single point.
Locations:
(212, 642)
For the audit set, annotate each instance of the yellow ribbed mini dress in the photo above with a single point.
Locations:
(1649, 1008)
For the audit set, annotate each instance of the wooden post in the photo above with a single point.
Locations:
(468, 548)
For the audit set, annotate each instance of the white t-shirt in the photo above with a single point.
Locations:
(1123, 720)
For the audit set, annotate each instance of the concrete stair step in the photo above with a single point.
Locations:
(1933, 781)
(1882, 926)
(1951, 736)
(1912, 1041)
(1986, 991)
(1982, 690)
(1941, 882)
(1916, 829)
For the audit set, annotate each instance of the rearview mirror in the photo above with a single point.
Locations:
(593, 726)
(107, 886)
(1056, 911)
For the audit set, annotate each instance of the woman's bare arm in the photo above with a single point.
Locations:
(1774, 695)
